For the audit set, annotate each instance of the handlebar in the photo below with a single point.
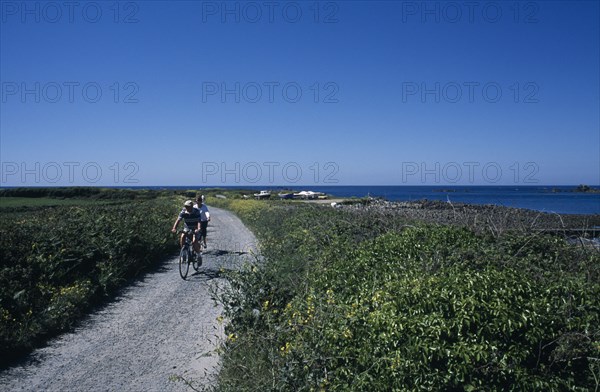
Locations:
(185, 231)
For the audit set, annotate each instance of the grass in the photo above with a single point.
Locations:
(11, 202)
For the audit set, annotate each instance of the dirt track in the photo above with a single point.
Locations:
(159, 327)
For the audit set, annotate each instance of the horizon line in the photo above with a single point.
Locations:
(295, 186)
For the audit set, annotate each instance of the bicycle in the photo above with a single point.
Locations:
(188, 255)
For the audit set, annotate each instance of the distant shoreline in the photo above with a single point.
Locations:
(506, 218)
(566, 200)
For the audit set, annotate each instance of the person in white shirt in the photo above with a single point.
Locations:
(204, 218)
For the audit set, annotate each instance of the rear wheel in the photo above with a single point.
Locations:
(184, 262)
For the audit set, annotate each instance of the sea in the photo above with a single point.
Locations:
(551, 199)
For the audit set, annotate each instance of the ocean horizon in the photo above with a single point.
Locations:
(561, 199)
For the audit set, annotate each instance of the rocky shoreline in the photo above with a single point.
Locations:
(490, 217)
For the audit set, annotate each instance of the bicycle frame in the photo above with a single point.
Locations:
(188, 255)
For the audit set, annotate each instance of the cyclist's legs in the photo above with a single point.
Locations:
(189, 234)
(195, 243)
(203, 226)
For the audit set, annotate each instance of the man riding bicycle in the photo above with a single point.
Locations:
(191, 219)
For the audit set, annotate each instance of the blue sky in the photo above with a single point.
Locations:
(300, 93)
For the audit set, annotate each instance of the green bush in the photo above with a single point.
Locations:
(56, 262)
(347, 301)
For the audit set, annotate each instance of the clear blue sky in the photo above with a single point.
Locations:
(366, 63)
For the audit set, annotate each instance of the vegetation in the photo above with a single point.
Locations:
(344, 299)
(75, 192)
(347, 300)
(21, 203)
(56, 262)
(65, 250)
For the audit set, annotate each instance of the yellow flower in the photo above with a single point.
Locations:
(285, 349)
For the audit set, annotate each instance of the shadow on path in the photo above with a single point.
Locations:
(219, 252)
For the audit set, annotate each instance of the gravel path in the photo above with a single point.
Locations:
(159, 327)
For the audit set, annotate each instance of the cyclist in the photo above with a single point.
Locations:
(204, 217)
(191, 219)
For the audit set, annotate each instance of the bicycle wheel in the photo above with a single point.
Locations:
(184, 262)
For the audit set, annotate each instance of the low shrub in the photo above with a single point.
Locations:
(56, 262)
(350, 301)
